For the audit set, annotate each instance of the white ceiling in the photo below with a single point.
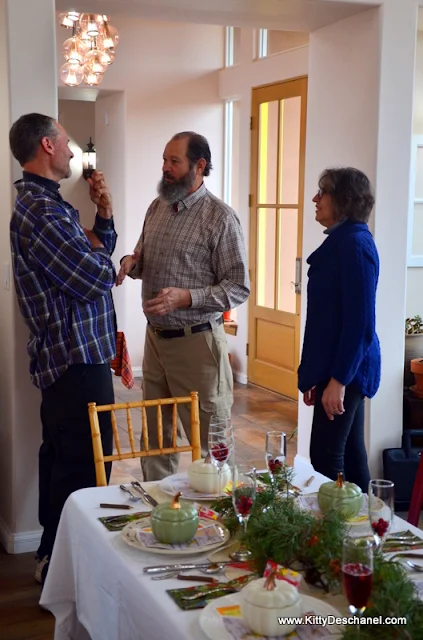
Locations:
(292, 15)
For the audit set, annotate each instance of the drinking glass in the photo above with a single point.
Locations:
(244, 485)
(275, 452)
(357, 573)
(221, 443)
(381, 509)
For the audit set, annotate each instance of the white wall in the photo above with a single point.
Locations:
(6, 296)
(111, 158)
(20, 429)
(78, 118)
(169, 73)
(343, 93)
(236, 83)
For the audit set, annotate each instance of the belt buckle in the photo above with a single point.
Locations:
(157, 331)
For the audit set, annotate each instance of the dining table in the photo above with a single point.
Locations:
(96, 587)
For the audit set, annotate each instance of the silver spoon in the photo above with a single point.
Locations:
(133, 497)
(415, 567)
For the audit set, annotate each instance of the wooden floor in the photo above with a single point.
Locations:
(255, 411)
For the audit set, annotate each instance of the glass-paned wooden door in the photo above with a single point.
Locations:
(276, 215)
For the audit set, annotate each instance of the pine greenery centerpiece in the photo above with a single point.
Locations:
(281, 531)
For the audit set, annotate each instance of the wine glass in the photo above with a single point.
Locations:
(357, 573)
(244, 486)
(221, 440)
(381, 509)
(275, 452)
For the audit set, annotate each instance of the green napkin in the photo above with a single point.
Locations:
(230, 587)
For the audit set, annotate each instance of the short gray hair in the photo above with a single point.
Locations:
(26, 134)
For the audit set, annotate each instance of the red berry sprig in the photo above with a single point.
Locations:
(380, 527)
(220, 451)
(275, 466)
(243, 505)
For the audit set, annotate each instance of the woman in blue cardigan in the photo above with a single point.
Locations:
(340, 362)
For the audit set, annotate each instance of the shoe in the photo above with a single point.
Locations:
(41, 569)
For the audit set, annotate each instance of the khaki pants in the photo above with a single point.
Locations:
(175, 367)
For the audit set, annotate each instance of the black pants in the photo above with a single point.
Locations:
(338, 444)
(66, 461)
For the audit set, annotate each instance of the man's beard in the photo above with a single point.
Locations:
(175, 191)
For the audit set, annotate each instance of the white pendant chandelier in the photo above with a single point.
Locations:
(90, 49)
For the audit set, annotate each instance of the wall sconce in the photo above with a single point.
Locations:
(89, 160)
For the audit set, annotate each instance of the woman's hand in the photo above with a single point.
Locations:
(333, 399)
(309, 397)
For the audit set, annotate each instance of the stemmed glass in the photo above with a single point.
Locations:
(275, 453)
(221, 441)
(357, 573)
(381, 509)
(244, 486)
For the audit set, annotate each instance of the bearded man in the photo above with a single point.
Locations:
(192, 261)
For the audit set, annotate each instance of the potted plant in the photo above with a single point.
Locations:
(413, 346)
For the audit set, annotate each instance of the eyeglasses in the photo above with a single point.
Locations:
(321, 193)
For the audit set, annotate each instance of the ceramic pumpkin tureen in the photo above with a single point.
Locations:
(266, 599)
(203, 476)
(341, 496)
(174, 523)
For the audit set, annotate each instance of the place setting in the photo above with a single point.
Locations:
(270, 549)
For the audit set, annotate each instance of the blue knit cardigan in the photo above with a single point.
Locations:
(340, 339)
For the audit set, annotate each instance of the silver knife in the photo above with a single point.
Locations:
(164, 568)
(149, 499)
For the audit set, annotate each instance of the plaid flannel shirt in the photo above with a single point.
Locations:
(63, 286)
(199, 247)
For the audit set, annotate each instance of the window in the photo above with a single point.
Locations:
(272, 41)
(415, 221)
(231, 151)
(232, 46)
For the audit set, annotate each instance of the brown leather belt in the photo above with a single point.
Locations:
(167, 334)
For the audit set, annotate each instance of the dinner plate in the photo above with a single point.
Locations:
(211, 622)
(179, 482)
(131, 536)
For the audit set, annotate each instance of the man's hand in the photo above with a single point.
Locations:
(126, 266)
(100, 195)
(92, 239)
(168, 300)
(333, 399)
(309, 397)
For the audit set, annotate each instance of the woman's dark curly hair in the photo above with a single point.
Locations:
(351, 192)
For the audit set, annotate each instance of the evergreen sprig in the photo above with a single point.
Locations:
(279, 530)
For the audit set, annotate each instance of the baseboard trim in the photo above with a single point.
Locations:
(240, 377)
(137, 372)
(15, 543)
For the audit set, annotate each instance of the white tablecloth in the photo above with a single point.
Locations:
(96, 588)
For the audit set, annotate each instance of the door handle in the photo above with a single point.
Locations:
(297, 283)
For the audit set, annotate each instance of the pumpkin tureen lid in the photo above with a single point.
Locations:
(270, 593)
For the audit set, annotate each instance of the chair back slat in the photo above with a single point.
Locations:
(159, 426)
(115, 432)
(130, 430)
(144, 428)
(99, 458)
(174, 425)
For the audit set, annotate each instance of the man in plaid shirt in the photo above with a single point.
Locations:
(192, 261)
(63, 279)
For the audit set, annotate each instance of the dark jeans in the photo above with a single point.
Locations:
(338, 445)
(66, 461)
